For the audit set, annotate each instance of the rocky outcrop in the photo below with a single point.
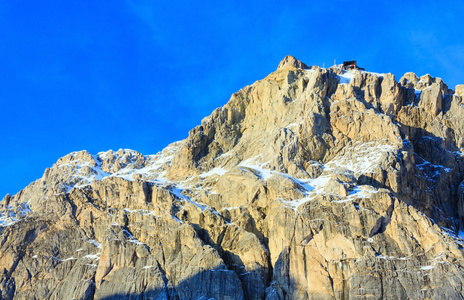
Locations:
(309, 184)
(290, 61)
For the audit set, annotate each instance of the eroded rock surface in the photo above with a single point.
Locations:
(311, 183)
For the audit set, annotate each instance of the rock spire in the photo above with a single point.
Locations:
(308, 184)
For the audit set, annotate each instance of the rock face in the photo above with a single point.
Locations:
(309, 184)
(290, 61)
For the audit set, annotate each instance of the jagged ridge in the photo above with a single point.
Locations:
(309, 183)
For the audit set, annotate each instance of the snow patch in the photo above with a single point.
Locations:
(294, 124)
(426, 164)
(346, 77)
(95, 243)
(178, 193)
(84, 173)
(294, 204)
(374, 73)
(93, 256)
(309, 71)
(215, 171)
(461, 234)
(362, 191)
(13, 214)
(253, 163)
(392, 257)
(176, 219)
(143, 212)
(69, 258)
(361, 158)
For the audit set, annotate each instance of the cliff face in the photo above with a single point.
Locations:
(311, 183)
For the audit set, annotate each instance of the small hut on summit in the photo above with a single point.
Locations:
(351, 65)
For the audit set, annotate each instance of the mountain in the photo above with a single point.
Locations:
(311, 183)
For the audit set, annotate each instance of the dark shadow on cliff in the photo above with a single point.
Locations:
(208, 284)
(253, 282)
(368, 180)
(432, 187)
(431, 184)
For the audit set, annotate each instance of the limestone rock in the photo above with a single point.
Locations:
(290, 61)
(424, 81)
(431, 99)
(409, 80)
(460, 90)
(309, 184)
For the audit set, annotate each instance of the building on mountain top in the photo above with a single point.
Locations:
(351, 65)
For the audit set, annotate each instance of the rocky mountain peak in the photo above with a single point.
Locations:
(310, 183)
(290, 61)
(460, 90)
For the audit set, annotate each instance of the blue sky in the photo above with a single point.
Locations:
(139, 74)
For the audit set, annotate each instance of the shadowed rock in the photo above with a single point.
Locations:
(308, 184)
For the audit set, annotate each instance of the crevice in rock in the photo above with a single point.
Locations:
(171, 292)
(93, 289)
(383, 221)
